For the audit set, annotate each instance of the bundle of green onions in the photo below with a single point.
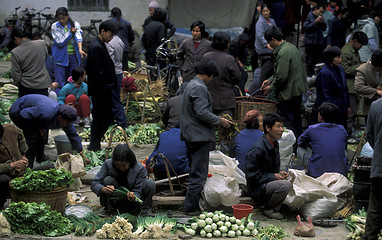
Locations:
(121, 193)
(159, 226)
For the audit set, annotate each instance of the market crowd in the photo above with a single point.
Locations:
(64, 86)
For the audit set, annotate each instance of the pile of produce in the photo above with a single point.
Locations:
(97, 158)
(144, 133)
(134, 114)
(9, 92)
(356, 224)
(4, 109)
(36, 219)
(5, 55)
(120, 229)
(43, 180)
(89, 224)
(217, 224)
(159, 226)
(271, 232)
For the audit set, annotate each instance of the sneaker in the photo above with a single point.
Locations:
(76, 123)
(273, 214)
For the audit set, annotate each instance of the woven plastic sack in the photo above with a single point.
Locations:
(220, 190)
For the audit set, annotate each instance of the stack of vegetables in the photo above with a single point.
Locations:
(36, 219)
(217, 224)
(9, 92)
(97, 158)
(356, 224)
(134, 114)
(159, 226)
(120, 229)
(43, 180)
(271, 232)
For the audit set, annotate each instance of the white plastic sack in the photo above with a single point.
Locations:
(220, 190)
(316, 198)
(367, 151)
(286, 148)
(226, 166)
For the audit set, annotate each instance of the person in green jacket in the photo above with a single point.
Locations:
(350, 62)
(288, 82)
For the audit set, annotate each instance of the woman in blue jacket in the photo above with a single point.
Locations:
(67, 46)
(331, 85)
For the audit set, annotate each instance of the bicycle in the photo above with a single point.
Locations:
(26, 19)
(46, 29)
(89, 34)
(13, 20)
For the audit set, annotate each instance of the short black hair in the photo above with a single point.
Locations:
(329, 112)
(253, 125)
(318, 6)
(123, 153)
(109, 25)
(62, 11)
(201, 26)
(116, 12)
(207, 66)
(77, 72)
(270, 119)
(273, 32)
(220, 41)
(330, 53)
(376, 58)
(18, 32)
(361, 37)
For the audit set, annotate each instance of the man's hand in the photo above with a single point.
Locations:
(284, 174)
(281, 175)
(266, 87)
(225, 123)
(20, 164)
(109, 189)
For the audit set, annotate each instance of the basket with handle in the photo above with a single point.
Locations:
(109, 146)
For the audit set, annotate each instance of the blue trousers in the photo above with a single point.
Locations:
(62, 73)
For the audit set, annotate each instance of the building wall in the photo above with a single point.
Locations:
(134, 11)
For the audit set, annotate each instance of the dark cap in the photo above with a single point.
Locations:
(244, 37)
(67, 112)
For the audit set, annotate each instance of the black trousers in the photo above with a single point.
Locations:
(198, 157)
(290, 110)
(25, 91)
(374, 211)
(4, 188)
(312, 57)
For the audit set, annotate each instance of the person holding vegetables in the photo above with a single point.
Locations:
(197, 125)
(12, 157)
(265, 182)
(121, 183)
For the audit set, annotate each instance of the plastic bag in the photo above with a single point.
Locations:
(72, 163)
(222, 190)
(286, 148)
(367, 151)
(5, 227)
(316, 198)
(226, 166)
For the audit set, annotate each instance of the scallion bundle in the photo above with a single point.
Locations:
(121, 193)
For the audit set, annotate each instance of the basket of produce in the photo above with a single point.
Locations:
(261, 104)
(109, 147)
(48, 186)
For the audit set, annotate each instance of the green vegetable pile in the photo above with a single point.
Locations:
(144, 133)
(97, 158)
(227, 134)
(4, 109)
(134, 114)
(5, 55)
(36, 219)
(356, 224)
(271, 232)
(217, 224)
(43, 181)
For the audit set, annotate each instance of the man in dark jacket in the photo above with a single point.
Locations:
(155, 31)
(35, 114)
(313, 37)
(170, 27)
(265, 182)
(125, 33)
(102, 84)
(197, 126)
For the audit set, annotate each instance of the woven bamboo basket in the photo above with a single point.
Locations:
(244, 104)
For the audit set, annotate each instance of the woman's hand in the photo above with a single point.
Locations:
(131, 196)
(109, 189)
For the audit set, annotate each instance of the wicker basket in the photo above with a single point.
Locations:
(244, 104)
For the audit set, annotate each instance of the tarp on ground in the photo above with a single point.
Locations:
(214, 13)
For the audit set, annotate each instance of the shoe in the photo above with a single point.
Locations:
(273, 214)
(192, 213)
(86, 122)
(76, 123)
(352, 141)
